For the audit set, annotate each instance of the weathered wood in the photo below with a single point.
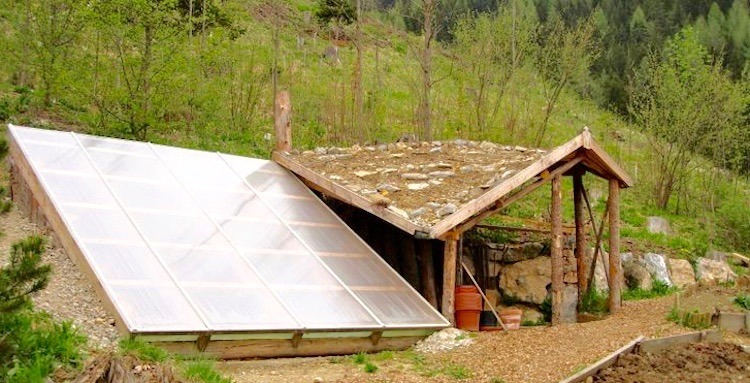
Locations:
(449, 277)
(598, 250)
(484, 297)
(427, 267)
(325, 186)
(603, 362)
(745, 261)
(567, 229)
(503, 202)
(556, 251)
(656, 345)
(282, 116)
(408, 260)
(734, 322)
(390, 248)
(612, 167)
(615, 264)
(580, 249)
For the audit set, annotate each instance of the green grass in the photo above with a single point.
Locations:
(456, 371)
(690, 319)
(743, 301)
(532, 323)
(658, 289)
(202, 370)
(370, 367)
(360, 358)
(143, 350)
(594, 302)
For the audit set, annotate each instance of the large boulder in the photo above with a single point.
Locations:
(527, 281)
(713, 271)
(682, 272)
(569, 304)
(658, 225)
(600, 276)
(717, 255)
(635, 273)
(509, 253)
(656, 264)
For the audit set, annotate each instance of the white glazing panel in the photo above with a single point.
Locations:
(100, 224)
(175, 229)
(93, 143)
(241, 308)
(155, 308)
(125, 262)
(122, 165)
(167, 196)
(276, 184)
(290, 269)
(245, 165)
(51, 136)
(362, 271)
(300, 210)
(68, 188)
(399, 307)
(326, 309)
(198, 168)
(207, 265)
(65, 158)
(269, 234)
(331, 240)
(223, 204)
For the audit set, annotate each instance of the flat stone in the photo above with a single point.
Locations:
(335, 177)
(409, 167)
(382, 147)
(506, 174)
(486, 145)
(414, 176)
(418, 186)
(321, 151)
(682, 271)
(442, 174)
(520, 149)
(417, 212)
(399, 212)
(397, 155)
(308, 153)
(446, 209)
(387, 187)
(436, 149)
(434, 182)
(433, 205)
(387, 170)
(364, 173)
(467, 168)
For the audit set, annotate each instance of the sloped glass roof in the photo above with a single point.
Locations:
(189, 241)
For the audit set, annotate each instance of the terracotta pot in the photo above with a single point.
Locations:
(468, 320)
(468, 301)
(511, 318)
(463, 289)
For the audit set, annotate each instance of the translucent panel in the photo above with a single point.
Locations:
(163, 229)
(51, 136)
(155, 308)
(244, 165)
(331, 240)
(275, 183)
(400, 307)
(290, 269)
(362, 271)
(67, 188)
(125, 262)
(167, 196)
(48, 157)
(270, 234)
(241, 308)
(100, 224)
(329, 309)
(204, 265)
(115, 164)
(300, 210)
(220, 203)
(92, 143)
(200, 168)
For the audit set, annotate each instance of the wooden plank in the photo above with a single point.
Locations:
(657, 345)
(408, 260)
(603, 362)
(427, 267)
(503, 202)
(487, 199)
(484, 297)
(580, 249)
(567, 229)
(556, 252)
(449, 277)
(745, 261)
(282, 116)
(615, 264)
(27, 176)
(614, 168)
(732, 322)
(270, 348)
(330, 188)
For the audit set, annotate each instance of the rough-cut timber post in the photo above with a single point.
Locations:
(449, 276)
(580, 250)
(615, 265)
(424, 251)
(282, 117)
(408, 260)
(557, 254)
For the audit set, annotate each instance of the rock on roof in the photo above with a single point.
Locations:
(422, 182)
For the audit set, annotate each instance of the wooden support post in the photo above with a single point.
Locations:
(449, 276)
(282, 117)
(615, 265)
(557, 253)
(427, 268)
(580, 250)
(408, 259)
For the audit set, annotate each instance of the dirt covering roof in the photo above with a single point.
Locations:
(422, 182)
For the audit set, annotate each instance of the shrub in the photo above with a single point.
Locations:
(370, 368)
(203, 370)
(595, 302)
(143, 350)
(658, 289)
(742, 300)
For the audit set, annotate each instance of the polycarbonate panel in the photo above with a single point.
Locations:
(190, 241)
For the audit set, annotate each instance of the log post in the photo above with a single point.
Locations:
(615, 264)
(424, 251)
(557, 247)
(580, 250)
(449, 276)
(282, 118)
(408, 259)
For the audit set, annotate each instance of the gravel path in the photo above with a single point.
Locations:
(69, 294)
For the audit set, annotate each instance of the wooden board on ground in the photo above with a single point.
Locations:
(603, 362)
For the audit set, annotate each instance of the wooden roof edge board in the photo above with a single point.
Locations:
(620, 173)
(472, 208)
(343, 194)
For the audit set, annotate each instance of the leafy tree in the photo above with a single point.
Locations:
(337, 11)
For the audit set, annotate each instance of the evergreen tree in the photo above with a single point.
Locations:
(24, 275)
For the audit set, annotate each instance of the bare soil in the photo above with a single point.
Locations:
(708, 299)
(697, 362)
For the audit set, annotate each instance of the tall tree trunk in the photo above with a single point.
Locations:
(358, 124)
(429, 8)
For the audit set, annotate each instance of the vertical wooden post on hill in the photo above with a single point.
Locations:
(449, 276)
(615, 264)
(557, 253)
(282, 117)
(580, 249)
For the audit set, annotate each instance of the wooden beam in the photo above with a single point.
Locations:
(603, 363)
(408, 260)
(580, 249)
(427, 267)
(602, 157)
(449, 276)
(503, 202)
(557, 247)
(341, 193)
(282, 116)
(615, 264)
(598, 247)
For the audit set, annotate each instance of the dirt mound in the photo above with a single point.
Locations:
(697, 362)
(108, 368)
